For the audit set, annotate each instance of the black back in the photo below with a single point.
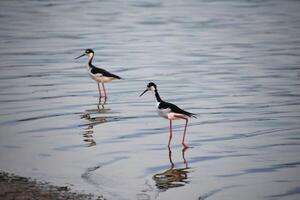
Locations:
(166, 105)
(174, 108)
(96, 70)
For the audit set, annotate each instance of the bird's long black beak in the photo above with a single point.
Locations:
(144, 92)
(80, 56)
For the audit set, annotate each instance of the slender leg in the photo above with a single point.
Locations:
(170, 137)
(183, 156)
(99, 103)
(104, 102)
(183, 138)
(99, 89)
(170, 158)
(105, 96)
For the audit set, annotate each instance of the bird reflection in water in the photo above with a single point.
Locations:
(88, 136)
(170, 178)
(173, 177)
(91, 116)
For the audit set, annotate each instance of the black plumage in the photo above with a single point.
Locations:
(95, 70)
(170, 111)
(175, 109)
(166, 105)
(99, 75)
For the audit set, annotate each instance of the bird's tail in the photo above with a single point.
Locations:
(116, 76)
(193, 115)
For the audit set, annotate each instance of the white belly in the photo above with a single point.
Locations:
(163, 113)
(100, 78)
(174, 116)
(167, 114)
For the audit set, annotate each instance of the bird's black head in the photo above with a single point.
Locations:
(87, 51)
(151, 86)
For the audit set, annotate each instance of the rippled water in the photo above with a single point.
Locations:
(235, 63)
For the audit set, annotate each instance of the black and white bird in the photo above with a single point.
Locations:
(169, 111)
(99, 75)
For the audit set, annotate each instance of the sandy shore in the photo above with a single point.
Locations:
(14, 187)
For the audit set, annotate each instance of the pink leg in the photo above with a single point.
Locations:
(170, 158)
(183, 156)
(104, 91)
(183, 138)
(101, 103)
(104, 102)
(99, 89)
(170, 137)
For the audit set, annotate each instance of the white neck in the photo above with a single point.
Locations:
(90, 58)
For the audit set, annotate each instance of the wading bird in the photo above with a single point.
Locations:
(169, 111)
(99, 75)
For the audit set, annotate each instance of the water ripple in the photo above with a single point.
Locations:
(240, 72)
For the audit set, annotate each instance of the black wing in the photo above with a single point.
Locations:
(174, 108)
(96, 70)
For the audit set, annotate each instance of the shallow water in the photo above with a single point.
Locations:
(235, 63)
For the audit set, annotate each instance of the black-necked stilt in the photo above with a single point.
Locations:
(169, 111)
(99, 75)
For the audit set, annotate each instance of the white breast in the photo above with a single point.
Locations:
(99, 77)
(163, 112)
(168, 114)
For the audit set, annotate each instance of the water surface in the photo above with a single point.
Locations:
(235, 63)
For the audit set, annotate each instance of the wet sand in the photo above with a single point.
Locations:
(17, 188)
